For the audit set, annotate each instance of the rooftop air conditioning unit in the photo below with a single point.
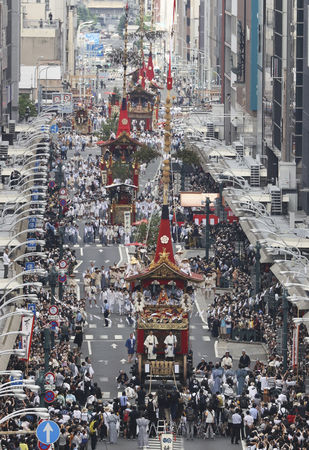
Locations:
(276, 200)
(255, 176)
(12, 124)
(4, 149)
(210, 129)
(239, 147)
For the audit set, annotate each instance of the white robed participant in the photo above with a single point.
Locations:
(151, 344)
(170, 345)
(142, 439)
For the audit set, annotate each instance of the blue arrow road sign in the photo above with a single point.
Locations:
(31, 243)
(15, 381)
(32, 223)
(48, 432)
(30, 266)
(54, 128)
(32, 307)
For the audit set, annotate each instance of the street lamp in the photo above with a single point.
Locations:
(21, 286)
(207, 229)
(29, 216)
(41, 412)
(13, 351)
(17, 312)
(258, 267)
(28, 230)
(32, 297)
(21, 274)
(37, 241)
(30, 255)
(38, 204)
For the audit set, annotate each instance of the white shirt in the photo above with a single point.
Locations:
(6, 259)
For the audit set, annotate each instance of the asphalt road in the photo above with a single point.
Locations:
(106, 347)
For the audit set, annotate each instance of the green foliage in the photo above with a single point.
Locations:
(145, 155)
(84, 15)
(187, 156)
(149, 231)
(109, 127)
(121, 25)
(153, 230)
(122, 171)
(141, 233)
(25, 101)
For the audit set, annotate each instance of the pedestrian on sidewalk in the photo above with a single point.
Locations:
(6, 263)
(130, 344)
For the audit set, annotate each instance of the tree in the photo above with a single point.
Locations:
(24, 102)
(121, 25)
(122, 171)
(109, 127)
(145, 155)
(187, 156)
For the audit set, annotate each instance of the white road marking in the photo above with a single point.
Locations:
(118, 337)
(89, 337)
(81, 251)
(120, 255)
(123, 361)
(205, 327)
(193, 327)
(106, 395)
(107, 260)
(114, 346)
(103, 336)
(89, 348)
(201, 313)
(77, 266)
(120, 325)
(216, 349)
(192, 338)
(101, 251)
(103, 379)
(206, 338)
(92, 325)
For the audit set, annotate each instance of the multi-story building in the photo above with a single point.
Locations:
(210, 31)
(281, 25)
(48, 30)
(239, 70)
(9, 59)
(108, 12)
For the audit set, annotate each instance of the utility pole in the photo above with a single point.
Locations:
(207, 242)
(258, 267)
(285, 308)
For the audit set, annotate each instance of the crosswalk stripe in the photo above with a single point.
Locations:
(192, 338)
(103, 336)
(118, 337)
(106, 395)
(205, 327)
(206, 338)
(193, 327)
(89, 336)
(92, 325)
(120, 325)
(177, 445)
(103, 379)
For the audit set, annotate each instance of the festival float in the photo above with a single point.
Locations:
(119, 169)
(163, 301)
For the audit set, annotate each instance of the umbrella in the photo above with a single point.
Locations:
(137, 244)
(139, 222)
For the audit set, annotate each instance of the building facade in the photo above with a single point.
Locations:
(9, 59)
